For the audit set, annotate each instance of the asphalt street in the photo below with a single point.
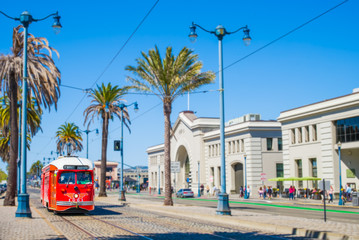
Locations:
(340, 214)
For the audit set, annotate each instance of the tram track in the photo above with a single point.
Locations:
(113, 221)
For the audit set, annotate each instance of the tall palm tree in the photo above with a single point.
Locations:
(168, 78)
(43, 81)
(104, 103)
(36, 167)
(70, 137)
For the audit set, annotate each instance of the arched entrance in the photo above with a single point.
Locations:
(237, 177)
(185, 168)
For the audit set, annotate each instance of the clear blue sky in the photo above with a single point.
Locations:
(317, 62)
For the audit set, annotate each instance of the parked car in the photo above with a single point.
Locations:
(184, 192)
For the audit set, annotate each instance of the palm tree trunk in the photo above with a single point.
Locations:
(12, 177)
(102, 192)
(167, 109)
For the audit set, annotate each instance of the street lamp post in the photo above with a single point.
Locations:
(245, 177)
(26, 19)
(138, 181)
(220, 32)
(19, 153)
(122, 106)
(199, 186)
(159, 178)
(340, 175)
(87, 131)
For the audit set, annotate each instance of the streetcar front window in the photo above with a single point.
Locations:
(67, 178)
(84, 178)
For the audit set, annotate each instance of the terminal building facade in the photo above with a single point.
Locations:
(195, 144)
(311, 135)
(302, 143)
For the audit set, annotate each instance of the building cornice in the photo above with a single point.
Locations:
(350, 100)
(245, 127)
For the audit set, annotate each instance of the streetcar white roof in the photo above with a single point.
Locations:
(71, 161)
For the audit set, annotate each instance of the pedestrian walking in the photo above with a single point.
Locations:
(260, 192)
(248, 191)
(291, 193)
(269, 192)
(264, 192)
(214, 190)
(330, 193)
(207, 189)
(241, 192)
(202, 189)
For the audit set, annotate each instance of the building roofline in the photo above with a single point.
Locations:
(326, 100)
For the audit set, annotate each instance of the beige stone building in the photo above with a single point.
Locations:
(195, 144)
(310, 141)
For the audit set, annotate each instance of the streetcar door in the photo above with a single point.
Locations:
(52, 189)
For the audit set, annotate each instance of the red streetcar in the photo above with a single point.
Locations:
(67, 185)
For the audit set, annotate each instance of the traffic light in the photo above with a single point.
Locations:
(117, 145)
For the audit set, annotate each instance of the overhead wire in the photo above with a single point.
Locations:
(284, 35)
(228, 66)
(109, 64)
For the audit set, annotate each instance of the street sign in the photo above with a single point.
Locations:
(175, 167)
(189, 180)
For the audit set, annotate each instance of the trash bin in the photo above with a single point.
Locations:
(355, 199)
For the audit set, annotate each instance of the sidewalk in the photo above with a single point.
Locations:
(36, 227)
(311, 228)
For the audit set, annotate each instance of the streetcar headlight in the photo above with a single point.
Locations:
(76, 195)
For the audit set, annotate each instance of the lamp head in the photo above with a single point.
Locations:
(25, 18)
(220, 31)
(246, 38)
(339, 144)
(57, 25)
(136, 107)
(192, 35)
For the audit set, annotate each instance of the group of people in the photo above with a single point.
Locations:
(242, 191)
(265, 192)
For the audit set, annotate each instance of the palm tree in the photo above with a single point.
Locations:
(168, 78)
(70, 137)
(104, 103)
(36, 167)
(43, 81)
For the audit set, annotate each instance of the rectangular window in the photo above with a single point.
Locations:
(280, 144)
(229, 147)
(269, 144)
(299, 171)
(280, 171)
(306, 132)
(313, 163)
(314, 133)
(237, 146)
(348, 129)
(242, 145)
(293, 135)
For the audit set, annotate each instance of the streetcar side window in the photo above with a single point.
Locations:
(67, 178)
(84, 178)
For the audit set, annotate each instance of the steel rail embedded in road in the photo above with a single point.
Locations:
(137, 234)
(108, 223)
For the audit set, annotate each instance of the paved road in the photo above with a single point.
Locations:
(346, 215)
(105, 220)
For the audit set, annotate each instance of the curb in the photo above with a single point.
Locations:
(266, 227)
